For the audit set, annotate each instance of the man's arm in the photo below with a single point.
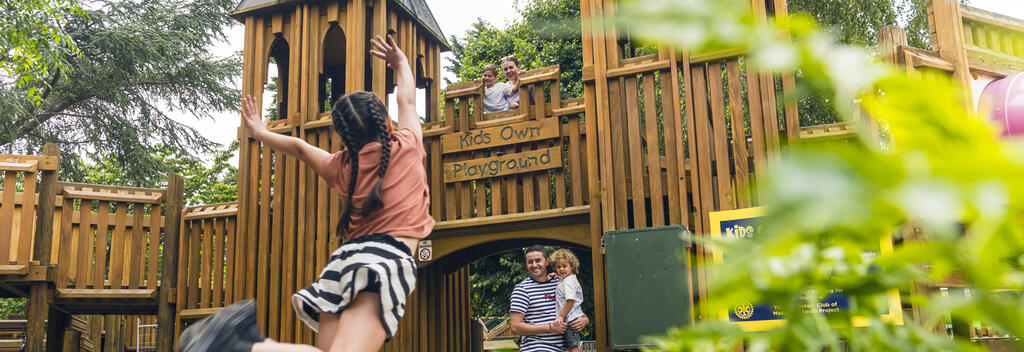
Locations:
(520, 327)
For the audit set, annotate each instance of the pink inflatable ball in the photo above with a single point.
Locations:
(1005, 99)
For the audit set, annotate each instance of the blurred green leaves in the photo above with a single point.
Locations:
(942, 169)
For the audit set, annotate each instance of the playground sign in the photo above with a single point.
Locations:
(509, 164)
(745, 223)
(514, 133)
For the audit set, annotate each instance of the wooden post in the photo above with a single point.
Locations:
(947, 30)
(378, 70)
(40, 294)
(72, 341)
(169, 270)
(55, 327)
(44, 217)
(37, 311)
(355, 35)
(598, 151)
(890, 38)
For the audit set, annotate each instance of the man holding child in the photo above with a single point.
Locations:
(534, 307)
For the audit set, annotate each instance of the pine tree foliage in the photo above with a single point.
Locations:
(141, 61)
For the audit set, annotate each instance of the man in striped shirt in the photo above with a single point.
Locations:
(533, 308)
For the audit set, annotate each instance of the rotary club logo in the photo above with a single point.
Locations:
(744, 311)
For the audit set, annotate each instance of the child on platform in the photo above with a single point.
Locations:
(569, 295)
(360, 296)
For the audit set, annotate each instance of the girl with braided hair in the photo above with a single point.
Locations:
(359, 298)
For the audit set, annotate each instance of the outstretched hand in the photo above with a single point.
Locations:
(387, 50)
(251, 119)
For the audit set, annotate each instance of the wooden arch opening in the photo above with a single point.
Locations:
(332, 74)
(463, 257)
(279, 53)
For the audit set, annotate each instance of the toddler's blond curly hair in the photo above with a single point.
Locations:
(566, 255)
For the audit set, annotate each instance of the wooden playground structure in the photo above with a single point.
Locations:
(622, 156)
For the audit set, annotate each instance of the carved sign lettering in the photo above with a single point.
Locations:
(528, 161)
(497, 136)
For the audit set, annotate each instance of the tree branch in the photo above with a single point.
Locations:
(33, 120)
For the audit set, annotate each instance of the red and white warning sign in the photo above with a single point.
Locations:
(426, 253)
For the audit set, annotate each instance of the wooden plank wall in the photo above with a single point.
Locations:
(677, 135)
(437, 315)
(286, 214)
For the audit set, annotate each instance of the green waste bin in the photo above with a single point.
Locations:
(646, 283)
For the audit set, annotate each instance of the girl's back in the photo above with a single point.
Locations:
(404, 191)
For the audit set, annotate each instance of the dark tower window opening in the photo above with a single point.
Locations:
(278, 85)
(332, 75)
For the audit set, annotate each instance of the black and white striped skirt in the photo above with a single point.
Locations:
(370, 263)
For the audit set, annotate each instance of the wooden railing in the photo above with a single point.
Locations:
(207, 269)
(994, 42)
(110, 241)
(18, 200)
(509, 165)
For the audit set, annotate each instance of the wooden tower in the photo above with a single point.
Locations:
(286, 214)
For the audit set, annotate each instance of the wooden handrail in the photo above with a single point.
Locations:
(48, 163)
(923, 58)
(16, 166)
(113, 197)
(987, 17)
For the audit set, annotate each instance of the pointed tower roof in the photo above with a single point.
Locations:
(418, 9)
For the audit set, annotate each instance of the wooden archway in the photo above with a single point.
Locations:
(455, 247)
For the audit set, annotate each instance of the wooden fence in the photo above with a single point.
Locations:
(109, 243)
(208, 272)
(19, 191)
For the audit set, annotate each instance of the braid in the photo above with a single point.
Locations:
(380, 118)
(340, 117)
(361, 118)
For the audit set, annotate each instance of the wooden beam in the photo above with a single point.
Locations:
(923, 58)
(38, 311)
(987, 17)
(639, 68)
(169, 269)
(44, 162)
(948, 32)
(16, 166)
(993, 63)
(598, 153)
(113, 197)
(47, 200)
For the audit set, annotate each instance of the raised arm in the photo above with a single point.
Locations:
(405, 84)
(295, 147)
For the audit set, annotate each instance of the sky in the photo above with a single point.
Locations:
(455, 18)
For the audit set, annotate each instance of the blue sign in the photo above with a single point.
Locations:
(745, 223)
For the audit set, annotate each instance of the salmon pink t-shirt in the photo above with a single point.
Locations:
(405, 193)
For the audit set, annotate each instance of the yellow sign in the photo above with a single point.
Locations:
(745, 223)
